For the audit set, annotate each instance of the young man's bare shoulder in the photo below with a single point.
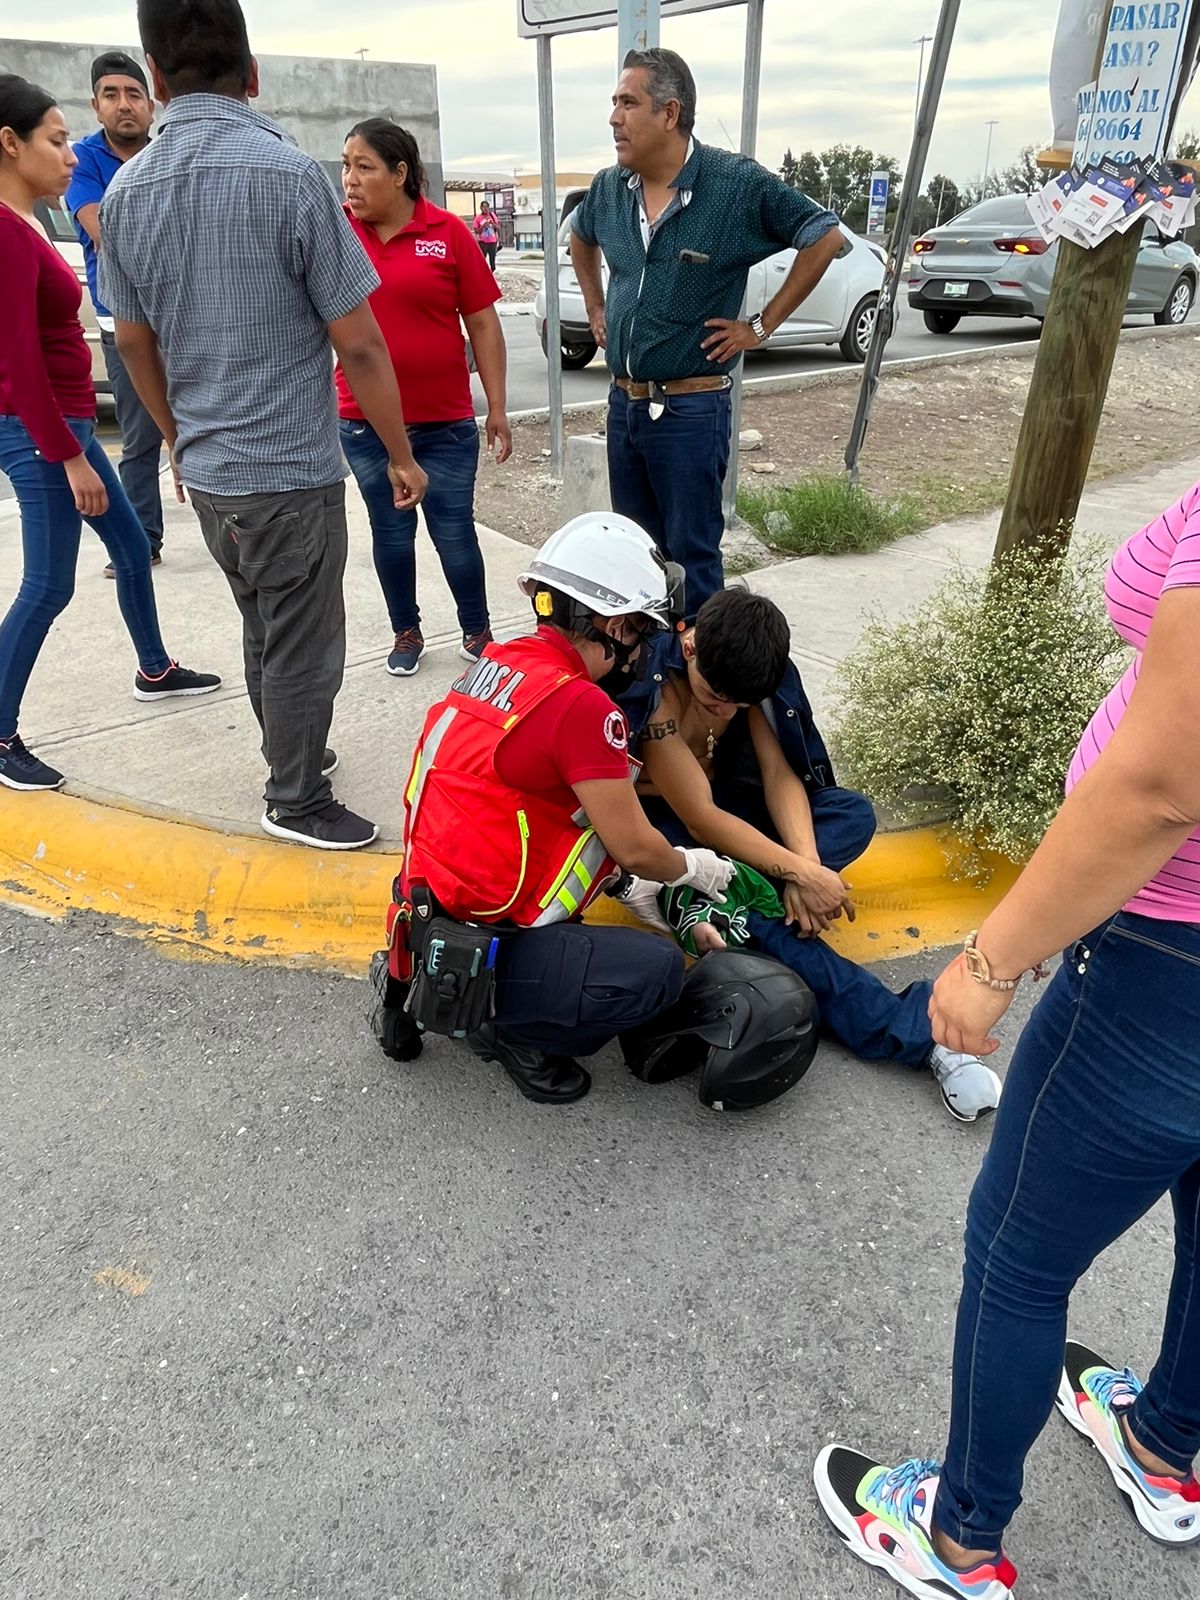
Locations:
(664, 720)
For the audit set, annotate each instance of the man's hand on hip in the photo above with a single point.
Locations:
(730, 339)
(597, 325)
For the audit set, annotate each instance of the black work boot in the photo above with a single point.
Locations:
(398, 1035)
(551, 1080)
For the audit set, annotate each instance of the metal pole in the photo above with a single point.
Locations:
(545, 88)
(637, 26)
(750, 87)
(902, 232)
(926, 38)
(987, 159)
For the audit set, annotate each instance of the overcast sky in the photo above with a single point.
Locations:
(832, 72)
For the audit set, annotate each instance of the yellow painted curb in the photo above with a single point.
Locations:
(175, 879)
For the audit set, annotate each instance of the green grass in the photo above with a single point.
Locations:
(738, 566)
(827, 517)
(941, 499)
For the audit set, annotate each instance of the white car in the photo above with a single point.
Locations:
(840, 310)
(60, 230)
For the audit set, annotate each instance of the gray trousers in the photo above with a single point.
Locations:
(141, 445)
(284, 556)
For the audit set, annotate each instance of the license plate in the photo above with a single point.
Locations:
(956, 290)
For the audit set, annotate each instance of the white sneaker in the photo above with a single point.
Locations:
(1091, 1396)
(970, 1090)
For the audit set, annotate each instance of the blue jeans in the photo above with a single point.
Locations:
(449, 453)
(669, 475)
(1100, 1119)
(856, 1009)
(141, 446)
(50, 530)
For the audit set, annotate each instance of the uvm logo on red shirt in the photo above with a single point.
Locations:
(432, 247)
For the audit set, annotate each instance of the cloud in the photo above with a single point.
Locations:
(844, 73)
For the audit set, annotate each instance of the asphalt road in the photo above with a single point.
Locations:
(282, 1321)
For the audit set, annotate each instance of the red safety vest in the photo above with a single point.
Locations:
(486, 851)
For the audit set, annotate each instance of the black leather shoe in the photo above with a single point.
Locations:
(550, 1080)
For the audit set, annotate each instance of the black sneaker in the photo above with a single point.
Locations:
(331, 828)
(329, 762)
(21, 769)
(155, 561)
(407, 651)
(474, 644)
(550, 1080)
(174, 683)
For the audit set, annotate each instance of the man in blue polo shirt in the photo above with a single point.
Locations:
(124, 110)
(680, 225)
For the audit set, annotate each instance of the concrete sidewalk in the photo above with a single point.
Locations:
(201, 757)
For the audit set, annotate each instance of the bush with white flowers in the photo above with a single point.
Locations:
(981, 697)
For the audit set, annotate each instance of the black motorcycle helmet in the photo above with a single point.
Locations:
(748, 1023)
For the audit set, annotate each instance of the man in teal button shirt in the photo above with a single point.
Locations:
(680, 224)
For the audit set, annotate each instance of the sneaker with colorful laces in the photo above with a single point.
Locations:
(883, 1515)
(474, 644)
(21, 769)
(175, 683)
(406, 654)
(1092, 1397)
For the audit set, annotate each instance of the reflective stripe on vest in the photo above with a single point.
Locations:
(576, 882)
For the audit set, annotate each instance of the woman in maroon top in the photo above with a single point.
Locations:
(433, 280)
(48, 447)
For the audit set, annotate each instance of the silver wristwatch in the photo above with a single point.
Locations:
(760, 333)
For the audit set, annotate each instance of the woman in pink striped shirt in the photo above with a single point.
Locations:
(1100, 1119)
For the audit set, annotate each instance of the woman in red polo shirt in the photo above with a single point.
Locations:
(431, 276)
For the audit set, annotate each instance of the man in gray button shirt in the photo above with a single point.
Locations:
(230, 269)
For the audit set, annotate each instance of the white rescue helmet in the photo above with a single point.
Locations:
(610, 566)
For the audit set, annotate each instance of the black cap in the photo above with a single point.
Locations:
(116, 64)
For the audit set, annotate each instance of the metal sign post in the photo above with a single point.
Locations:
(541, 20)
(637, 27)
(902, 233)
(749, 143)
(878, 204)
(545, 86)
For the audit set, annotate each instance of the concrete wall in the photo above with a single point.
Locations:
(317, 99)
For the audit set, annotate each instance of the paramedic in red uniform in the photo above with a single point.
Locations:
(521, 808)
(431, 274)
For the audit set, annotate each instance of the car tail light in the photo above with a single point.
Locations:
(1028, 245)
(924, 246)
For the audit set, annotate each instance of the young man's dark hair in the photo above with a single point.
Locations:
(199, 46)
(742, 643)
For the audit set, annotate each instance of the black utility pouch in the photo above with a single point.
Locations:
(454, 977)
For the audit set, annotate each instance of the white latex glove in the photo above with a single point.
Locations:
(706, 871)
(642, 899)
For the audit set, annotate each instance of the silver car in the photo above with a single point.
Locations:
(992, 262)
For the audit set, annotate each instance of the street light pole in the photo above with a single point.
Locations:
(992, 125)
(914, 172)
(926, 38)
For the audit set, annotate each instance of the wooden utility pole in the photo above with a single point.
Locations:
(1066, 397)
(1070, 381)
